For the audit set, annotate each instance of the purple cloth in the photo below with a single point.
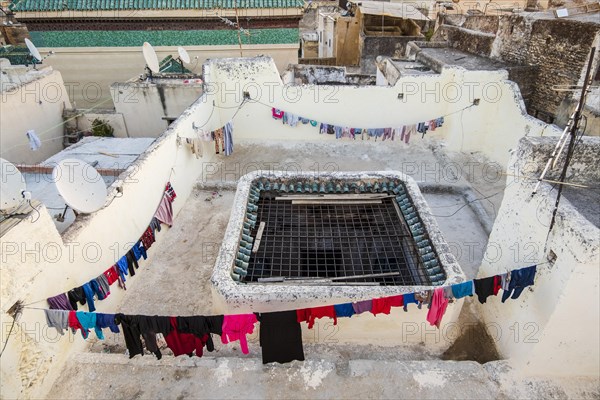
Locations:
(60, 302)
(362, 306)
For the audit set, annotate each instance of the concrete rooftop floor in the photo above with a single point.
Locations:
(186, 253)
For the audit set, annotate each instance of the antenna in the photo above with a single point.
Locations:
(151, 59)
(12, 187)
(80, 185)
(184, 57)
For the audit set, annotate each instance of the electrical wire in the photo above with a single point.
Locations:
(8, 337)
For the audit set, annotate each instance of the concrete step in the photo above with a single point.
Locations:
(99, 375)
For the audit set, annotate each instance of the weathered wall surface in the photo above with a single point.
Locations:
(36, 262)
(562, 309)
(143, 105)
(36, 105)
(347, 32)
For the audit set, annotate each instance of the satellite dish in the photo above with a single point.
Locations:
(33, 50)
(80, 185)
(183, 55)
(12, 186)
(150, 56)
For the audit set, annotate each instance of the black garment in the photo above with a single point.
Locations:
(76, 295)
(149, 327)
(135, 326)
(131, 262)
(200, 326)
(280, 337)
(484, 288)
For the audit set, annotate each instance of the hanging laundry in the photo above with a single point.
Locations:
(136, 326)
(106, 321)
(497, 284)
(164, 212)
(75, 325)
(423, 297)
(228, 138)
(519, 280)
(407, 131)
(96, 289)
(505, 281)
(344, 310)
(292, 119)
(170, 191)
(148, 238)
(304, 120)
(280, 337)
(59, 302)
(201, 326)
(464, 289)
(195, 146)
(338, 131)
(219, 140)
(75, 296)
(125, 267)
(309, 315)
(422, 128)
(407, 299)
(277, 113)
(387, 133)
(139, 251)
(439, 122)
(204, 134)
(438, 307)
(111, 275)
(313, 122)
(432, 125)
(362, 306)
(323, 128)
(448, 292)
(102, 282)
(154, 226)
(185, 343)
(58, 319)
(87, 322)
(284, 120)
(89, 296)
(236, 327)
(384, 305)
(34, 141)
(484, 288)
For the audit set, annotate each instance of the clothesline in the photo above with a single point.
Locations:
(125, 265)
(280, 337)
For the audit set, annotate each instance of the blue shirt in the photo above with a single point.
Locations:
(344, 310)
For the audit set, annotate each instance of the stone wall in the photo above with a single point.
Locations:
(558, 48)
(373, 46)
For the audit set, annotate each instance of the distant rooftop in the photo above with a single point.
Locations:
(87, 5)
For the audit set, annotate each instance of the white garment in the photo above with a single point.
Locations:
(34, 141)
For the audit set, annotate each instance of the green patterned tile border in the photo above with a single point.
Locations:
(87, 5)
(161, 38)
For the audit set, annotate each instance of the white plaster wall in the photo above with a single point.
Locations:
(90, 71)
(36, 105)
(553, 327)
(36, 262)
(491, 128)
(144, 105)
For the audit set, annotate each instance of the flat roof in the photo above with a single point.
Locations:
(398, 10)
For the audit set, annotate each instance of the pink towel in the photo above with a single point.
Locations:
(236, 327)
(438, 307)
(164, 213)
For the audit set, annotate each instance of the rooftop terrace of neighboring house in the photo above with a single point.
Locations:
(110, 156)
(12, 76)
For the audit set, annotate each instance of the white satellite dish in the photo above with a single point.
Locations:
(183, 55)
(80, 185)
(150, 57)
(33, 50)
(12, 187)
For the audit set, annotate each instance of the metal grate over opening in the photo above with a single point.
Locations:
(336, 240)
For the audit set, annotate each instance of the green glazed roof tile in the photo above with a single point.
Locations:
(82, 5)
